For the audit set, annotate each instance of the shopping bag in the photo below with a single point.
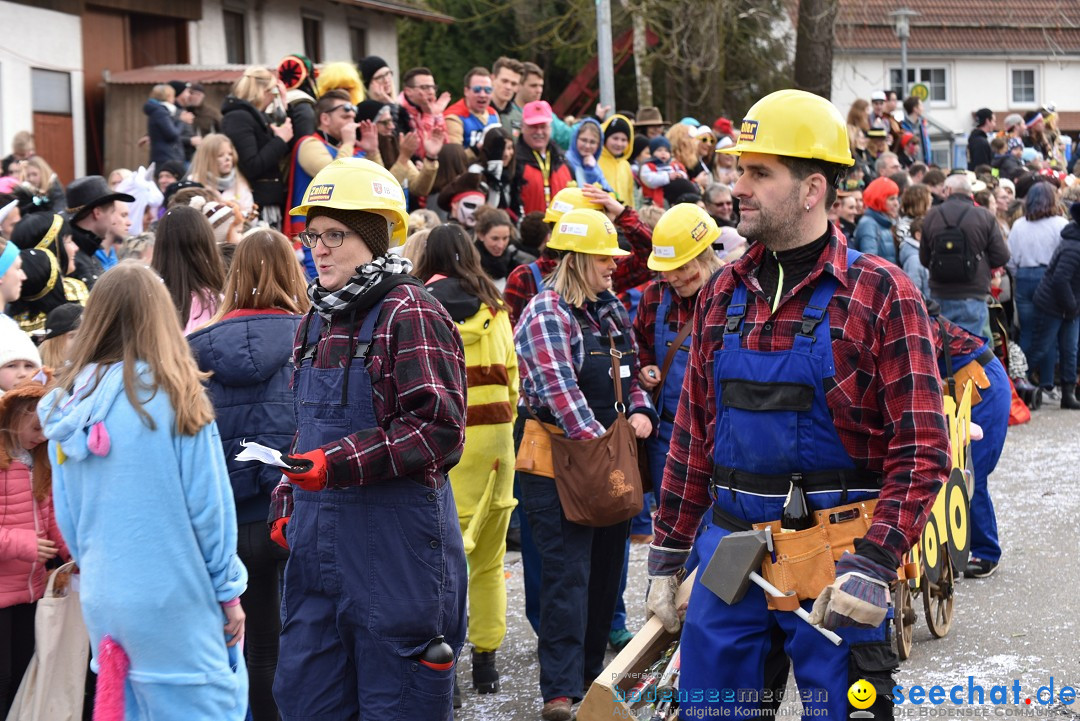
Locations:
(52, 688)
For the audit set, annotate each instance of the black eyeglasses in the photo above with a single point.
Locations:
(331, 238)
(349, 108)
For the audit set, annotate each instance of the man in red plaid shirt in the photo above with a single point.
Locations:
(812, 371)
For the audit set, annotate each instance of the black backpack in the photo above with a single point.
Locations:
(952, 259)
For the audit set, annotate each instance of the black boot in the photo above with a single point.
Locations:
(1068, 398)
(485, 676)
(457, 693)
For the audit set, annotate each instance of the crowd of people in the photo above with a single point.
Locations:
(413, 300)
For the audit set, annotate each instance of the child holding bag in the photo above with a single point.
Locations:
(144, 502)
(29, 537)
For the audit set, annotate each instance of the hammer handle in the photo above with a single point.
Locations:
(800, 611)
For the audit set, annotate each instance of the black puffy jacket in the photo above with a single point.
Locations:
(1058, 293)
(260, 153)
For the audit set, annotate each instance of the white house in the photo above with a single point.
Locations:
(56, 54)
(1006, 56)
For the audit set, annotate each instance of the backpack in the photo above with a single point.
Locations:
(952, 259)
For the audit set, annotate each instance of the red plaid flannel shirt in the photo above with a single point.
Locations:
(630, 271)
(885, 398)
(682, 309)
(417, 369)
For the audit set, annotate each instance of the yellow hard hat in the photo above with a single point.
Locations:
(683, 233)
(797, 124)
(359, 184)
(566, 200)
(586, 231)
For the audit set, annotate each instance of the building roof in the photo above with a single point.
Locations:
(968, 27)
(155, 74)
(416, 9)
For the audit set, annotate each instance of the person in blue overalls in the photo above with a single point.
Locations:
(811, 371)
(373, 609)
(565, 340)
(971, 358)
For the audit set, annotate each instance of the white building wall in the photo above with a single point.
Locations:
(973, 83)
(62, 53)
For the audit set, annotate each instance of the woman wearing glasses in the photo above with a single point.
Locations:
(373, 610)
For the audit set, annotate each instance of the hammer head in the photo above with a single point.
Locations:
(728, 572)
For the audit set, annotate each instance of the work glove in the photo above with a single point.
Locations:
(277, 532)
(858, 597)
(660, 601)
(307, 470)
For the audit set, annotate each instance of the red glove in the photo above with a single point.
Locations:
(277, 532)
(308, 470)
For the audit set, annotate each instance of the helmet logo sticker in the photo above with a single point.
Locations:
(663, 251)
(560, 207)
(698, 231)
(385, 190)
(579, 229)
(748, 131)
(319, 193)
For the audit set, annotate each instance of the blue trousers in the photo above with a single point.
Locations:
(580, 568)
(1027, 280)
(992, 415)
(971, 314)
(1064, 331)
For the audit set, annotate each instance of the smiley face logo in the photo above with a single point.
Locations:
(862, 694)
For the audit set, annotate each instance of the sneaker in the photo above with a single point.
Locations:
(485, 677)
(557, 709)
(980, 568)
(618, 638)
(1051, 395)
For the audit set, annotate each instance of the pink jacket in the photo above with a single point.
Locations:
(22, 521)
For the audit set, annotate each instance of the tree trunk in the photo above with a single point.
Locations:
(642, 66)
(814, 46)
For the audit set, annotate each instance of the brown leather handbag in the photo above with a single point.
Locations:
(597, 479)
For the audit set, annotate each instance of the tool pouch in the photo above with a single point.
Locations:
(806, 560)
(534, 453)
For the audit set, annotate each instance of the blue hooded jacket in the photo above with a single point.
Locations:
(583, 175)
(251, 360)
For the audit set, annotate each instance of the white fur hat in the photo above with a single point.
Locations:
(16, 344)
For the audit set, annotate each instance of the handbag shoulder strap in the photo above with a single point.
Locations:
(616, 369)
(669, 358)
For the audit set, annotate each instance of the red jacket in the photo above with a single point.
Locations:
(529, 188)
(25, 520)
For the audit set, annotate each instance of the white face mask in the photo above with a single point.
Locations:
(466, 209)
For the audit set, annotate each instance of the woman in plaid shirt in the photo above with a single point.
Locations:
(564, 343)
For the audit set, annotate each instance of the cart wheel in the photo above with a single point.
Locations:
(903, 619)
(938, 601)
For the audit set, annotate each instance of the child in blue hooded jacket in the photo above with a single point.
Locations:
(583, 157)
(142, 497)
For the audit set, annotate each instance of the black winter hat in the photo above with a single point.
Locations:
(618, 125)
(179, 86)
(369, 66)
(371, 227)
(681, 190)
(62, 319)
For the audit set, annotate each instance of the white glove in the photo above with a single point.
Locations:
(661, 602)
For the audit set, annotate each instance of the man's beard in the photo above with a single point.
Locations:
(777, 228)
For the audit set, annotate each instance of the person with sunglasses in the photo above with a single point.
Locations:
(467, 118)
(337, 135)
(374, 602)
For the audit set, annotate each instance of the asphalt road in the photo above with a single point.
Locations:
(1019, 624)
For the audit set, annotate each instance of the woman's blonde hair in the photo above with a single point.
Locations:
(264, 274)
(415, 246)
(255, 81)
(683, 146)
(54, 351)
(44, 170)
(204, 162)
(163, 92)
(709, 262)
(130, 317)
(568, 279)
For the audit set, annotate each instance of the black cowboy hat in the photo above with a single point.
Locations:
(85, 194)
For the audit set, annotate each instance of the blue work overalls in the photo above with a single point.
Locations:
(668, 402)
(767, 425)
(375, 571)
(580, 565)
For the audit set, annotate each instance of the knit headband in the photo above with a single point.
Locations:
(7, 258)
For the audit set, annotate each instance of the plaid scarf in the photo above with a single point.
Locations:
(327, 303)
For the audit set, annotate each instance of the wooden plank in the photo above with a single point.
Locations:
(54, 138)
(600, 702)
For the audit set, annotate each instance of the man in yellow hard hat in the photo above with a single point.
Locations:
(373, 608)
(811, 404)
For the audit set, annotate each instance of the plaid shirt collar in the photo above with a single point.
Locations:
(832, 261)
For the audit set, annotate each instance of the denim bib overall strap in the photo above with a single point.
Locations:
(667, 401)
(534, 268)
(376, 571)
(773, 427)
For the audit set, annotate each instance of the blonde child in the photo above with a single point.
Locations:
(29, 537)
(215, 166)
(61, 327)
(155, 541)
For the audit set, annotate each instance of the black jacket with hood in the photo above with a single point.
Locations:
(260, 154)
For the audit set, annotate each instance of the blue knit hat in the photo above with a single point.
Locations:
(659, 142)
